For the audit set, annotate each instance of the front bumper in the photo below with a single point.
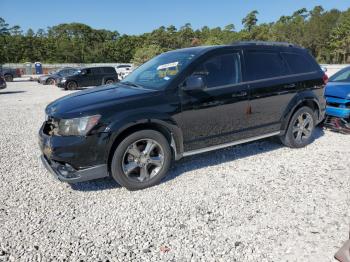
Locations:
(66, 173)
(74, 159)
(337, 124)
(338, 107)
(60, 84)
(338, 112)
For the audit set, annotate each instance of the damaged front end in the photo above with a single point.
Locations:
(337, 124)
(338, 114)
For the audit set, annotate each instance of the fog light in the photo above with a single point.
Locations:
(66, 170)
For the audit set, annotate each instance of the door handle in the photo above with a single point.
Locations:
(290, 85)
(240, 94)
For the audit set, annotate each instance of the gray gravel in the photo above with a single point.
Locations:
(254, 202)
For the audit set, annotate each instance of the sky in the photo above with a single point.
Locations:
(140, 16)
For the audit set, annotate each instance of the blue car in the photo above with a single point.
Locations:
(337, 95)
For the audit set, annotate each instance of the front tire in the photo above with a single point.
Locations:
(141, 160)
(301, 128)
(71, 85)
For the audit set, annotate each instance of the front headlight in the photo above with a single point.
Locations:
(77, 126)
(63, 80)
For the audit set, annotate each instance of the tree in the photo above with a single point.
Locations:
(4, 27)
(340, 39)
(324, 33)
(145, 53)
(250, 20)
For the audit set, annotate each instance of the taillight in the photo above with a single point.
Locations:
(325, 79)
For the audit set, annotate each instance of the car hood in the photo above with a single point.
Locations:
(92, 99)
(338, 89)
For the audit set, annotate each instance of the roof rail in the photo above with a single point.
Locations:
(267, 43)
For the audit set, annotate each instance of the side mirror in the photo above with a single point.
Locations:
(194, 82)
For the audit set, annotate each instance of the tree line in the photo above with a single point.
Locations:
(326, 33)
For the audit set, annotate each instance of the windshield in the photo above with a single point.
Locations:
(341, 76)
(157, 72)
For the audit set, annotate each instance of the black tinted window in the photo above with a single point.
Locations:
(93, 71)
(264, 64)
(299, 63)
(64, 72)
(221, 70)
(109, 70)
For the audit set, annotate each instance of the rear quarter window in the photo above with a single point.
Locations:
(299, 63)
(264, 64)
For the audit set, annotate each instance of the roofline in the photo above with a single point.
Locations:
(264, 43)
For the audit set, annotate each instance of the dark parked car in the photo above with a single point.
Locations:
(89, 76)
(2, 82)
(9, 73)
(182, 103)
(338, 101)
(51, 78)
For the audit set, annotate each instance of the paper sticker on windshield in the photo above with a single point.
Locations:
(165, 66)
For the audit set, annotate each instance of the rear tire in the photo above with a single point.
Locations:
(301, 128)
(71, 85)
(141, 160)
(109, 82)
(8, 78)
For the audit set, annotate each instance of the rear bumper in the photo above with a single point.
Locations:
(66, 173)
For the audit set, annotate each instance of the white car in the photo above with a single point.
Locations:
(123, 70)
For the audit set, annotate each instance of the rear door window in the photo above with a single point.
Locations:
(95, 71)
(299, 63)
(109, 70)
(221, 70)
(264, 64)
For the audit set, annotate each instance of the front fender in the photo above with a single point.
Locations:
(117, 127)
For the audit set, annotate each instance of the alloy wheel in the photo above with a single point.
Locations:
(303, 127)
(143, 160)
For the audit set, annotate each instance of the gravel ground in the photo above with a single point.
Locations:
(254, 202)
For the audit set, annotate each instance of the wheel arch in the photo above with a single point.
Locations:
(50, 78)
(9, 74)
(75, 81)
(299, 101)
(170, 131)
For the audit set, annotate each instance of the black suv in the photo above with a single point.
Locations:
(182, 103)
(88, 76)
(9, 73)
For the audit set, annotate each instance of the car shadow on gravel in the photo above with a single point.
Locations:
(96, 185)
(11, 92)
(204, 160)
(228, 154)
